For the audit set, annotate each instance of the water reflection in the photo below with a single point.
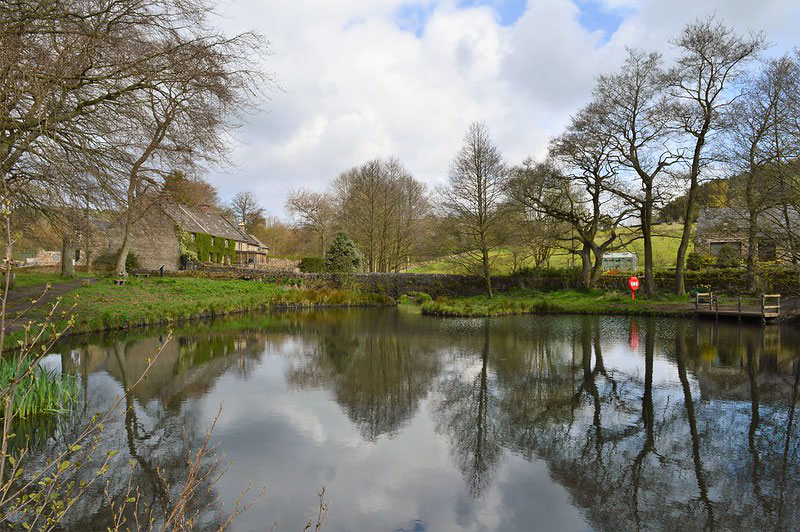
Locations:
(559, 422)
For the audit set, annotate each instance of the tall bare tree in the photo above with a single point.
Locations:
(764, 109)
(703, 85)
(381, 206)
(639, 130)
(472, 202)
(575, 186)
(313, 211)
(245, 209)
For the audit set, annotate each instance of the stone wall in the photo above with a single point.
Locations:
(397, 284)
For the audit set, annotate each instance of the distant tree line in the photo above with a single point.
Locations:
(715, 126)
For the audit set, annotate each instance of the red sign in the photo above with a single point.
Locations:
(633, 284)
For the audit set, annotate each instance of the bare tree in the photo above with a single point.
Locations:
(184, 119)
(472, 202)
(574, 188)
(757, 116)
(639, 129)
(381, 206)
(703, 87)
(313, 211)
(245, 208)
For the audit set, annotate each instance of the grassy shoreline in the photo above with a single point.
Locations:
(557, 302)
(103, 306)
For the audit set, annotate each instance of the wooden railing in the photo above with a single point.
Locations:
(766, 306)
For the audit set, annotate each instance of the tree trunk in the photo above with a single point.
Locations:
(752, 249)
(597, 269)
(647, 236)
(122, 257)
(586, 267)
(487, 274)
(67, 257)
(680, 259)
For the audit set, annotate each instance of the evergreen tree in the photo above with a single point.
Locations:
(343, 255)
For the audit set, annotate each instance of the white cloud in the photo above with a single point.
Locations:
(357, 85)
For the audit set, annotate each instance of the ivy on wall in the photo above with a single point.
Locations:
(206, 248)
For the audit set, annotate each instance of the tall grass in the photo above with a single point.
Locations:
(38, 391)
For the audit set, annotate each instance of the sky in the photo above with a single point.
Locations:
(360, 79)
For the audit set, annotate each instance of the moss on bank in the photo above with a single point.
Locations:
(562, 301)
(104, 306)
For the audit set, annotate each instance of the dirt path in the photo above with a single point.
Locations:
(19, 300)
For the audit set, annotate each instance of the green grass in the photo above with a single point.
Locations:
(39, 392)
(25, 279)
(562, 301)
(666, 239)
(103, 305)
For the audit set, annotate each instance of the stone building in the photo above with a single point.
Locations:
(154, 237)
(718, 227)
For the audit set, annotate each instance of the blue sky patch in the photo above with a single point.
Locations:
(508, 11)
(412, 17)
(596, 17)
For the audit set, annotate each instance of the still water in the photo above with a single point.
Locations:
(419, 423)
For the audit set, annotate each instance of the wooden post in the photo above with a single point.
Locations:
(739, 309)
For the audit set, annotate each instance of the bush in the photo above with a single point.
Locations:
(343, 255)
(108, 260)
(312, 265)
(696, 261)
(728, 257)
(418, 298)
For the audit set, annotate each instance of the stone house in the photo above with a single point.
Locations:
(155, 238)
(718, 227)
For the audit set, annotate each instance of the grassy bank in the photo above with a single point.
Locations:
(562, 301)
(26, 279)
(105, 306)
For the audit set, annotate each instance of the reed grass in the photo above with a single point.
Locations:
(38, 391)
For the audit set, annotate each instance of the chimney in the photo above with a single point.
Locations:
(242, 227)
(203, 207)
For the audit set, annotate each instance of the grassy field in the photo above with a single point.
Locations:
(104, 306)
(26, 279)
(562, 301)
(666, 238)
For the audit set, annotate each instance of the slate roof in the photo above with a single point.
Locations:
(733, 220)
(212, 223)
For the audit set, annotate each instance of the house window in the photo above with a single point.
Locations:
(716, 246)
(212, 240)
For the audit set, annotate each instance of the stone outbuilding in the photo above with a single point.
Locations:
(718, 227)
(156, 239)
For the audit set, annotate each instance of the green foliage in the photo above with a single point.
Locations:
(696, 261)
(206, 248)
(417, 298)
(728, 257)
(312, 265)
(108, 260)
(561, 301)
(188, 250)
(39, 391)
(343, 255)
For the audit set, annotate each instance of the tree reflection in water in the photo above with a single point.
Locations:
(693, 427)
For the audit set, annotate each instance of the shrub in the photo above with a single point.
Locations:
(418, 298)
(312, 265)
(108, 260)
(696, 261)
(343, 255)
(728, 257)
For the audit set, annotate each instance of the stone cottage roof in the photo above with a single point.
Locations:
(212, 223)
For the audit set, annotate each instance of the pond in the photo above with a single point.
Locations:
(420, 423)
